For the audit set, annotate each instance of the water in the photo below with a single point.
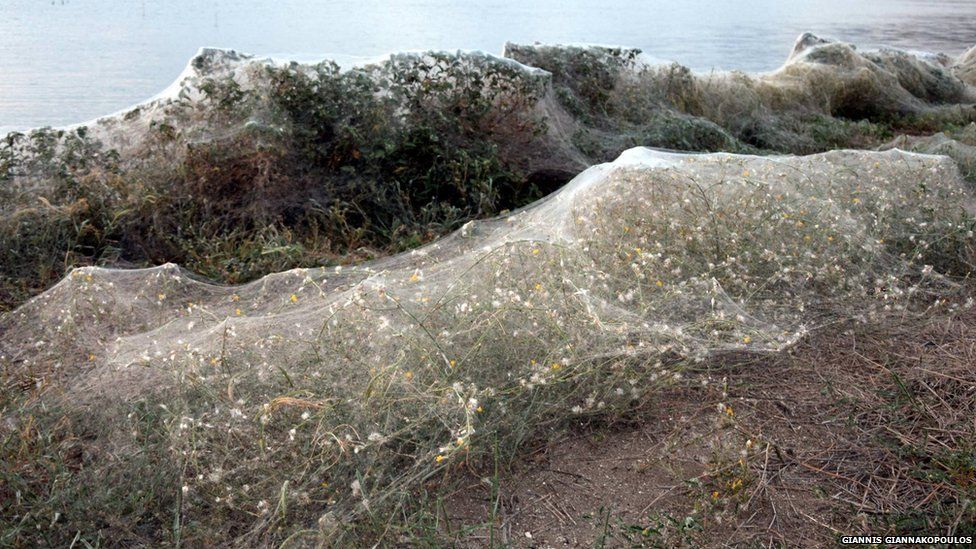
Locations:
(67, 61)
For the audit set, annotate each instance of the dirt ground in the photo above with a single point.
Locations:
(865, 429)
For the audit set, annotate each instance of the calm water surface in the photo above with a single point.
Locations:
(67, 61)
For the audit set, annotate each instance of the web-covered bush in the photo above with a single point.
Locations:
(321, 404)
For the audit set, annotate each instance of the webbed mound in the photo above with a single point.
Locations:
(302, 403)
(246, 167)
(958, 144)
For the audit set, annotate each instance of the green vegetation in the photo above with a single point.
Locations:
(314, 167)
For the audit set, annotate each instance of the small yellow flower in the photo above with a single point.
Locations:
(161, 296)
(830, 239)
(453, 363)
(538, 286)
(237, 312)
(556, 365)
(745, 173)
(88, 278)
(747, 340)
(480, 409)
(235, 297)
(439, 458)
(856, 201)
(460, 441)
(729, 411)
(414, 277)
(408, 375)
(91, 357)
(213, 361)
(294, 298)
(659, 284)
(535, 251)
(715, 494)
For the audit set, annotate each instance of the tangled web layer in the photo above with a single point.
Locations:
(245, 166)
(310, 400)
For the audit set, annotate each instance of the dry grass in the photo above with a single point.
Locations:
(865, 429)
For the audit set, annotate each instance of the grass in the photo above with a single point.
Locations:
(865, 430)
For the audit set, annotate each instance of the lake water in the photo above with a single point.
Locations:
(67, 61)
